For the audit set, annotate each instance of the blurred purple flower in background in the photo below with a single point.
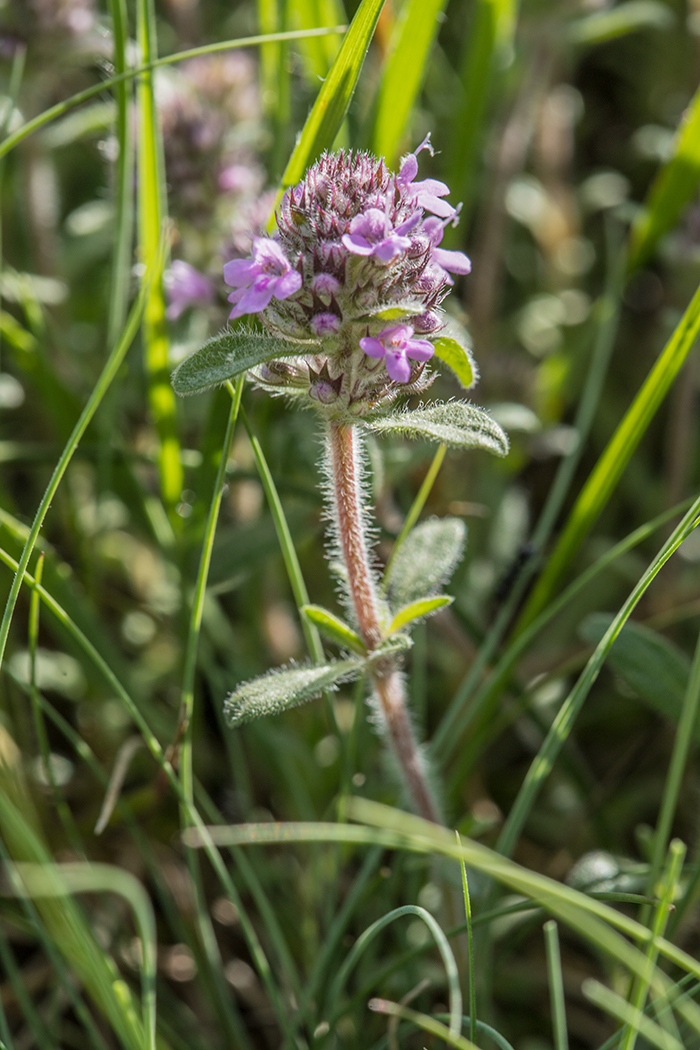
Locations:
(185, 287)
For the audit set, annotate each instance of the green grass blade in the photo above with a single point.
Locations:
(109, 371)
(318, 52)
(488, 40)
(152, 215)
(563, 723)
(190, 664)
(605, 999)
(418, 504)
(422, 1021)
(470, 943)
(446, 744)
(607, 472)
(61, 108)
(328, 113)
(556, 986)
(672, 189)
(404, 69)
(124, 213)
(62, 880)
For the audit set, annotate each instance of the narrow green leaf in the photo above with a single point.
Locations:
(601, 26)
(487, 42)
(318, 53)
(227, 355)
(334, 628)
(605, 475)
(458, 357)
(398, 643)
(655, 668)
(413, 37)
(425, 561)
(331, 105)
(417, 610)
(672, 189)
(286, 687)
(454, 423)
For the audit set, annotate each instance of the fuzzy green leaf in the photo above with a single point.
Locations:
(398, 643)
(227, 355)
(417, 610)
(425, 561)
(656, 669)
(458, 357)
(286, 687)
(392, 312)
(454, 423)
(335, 629)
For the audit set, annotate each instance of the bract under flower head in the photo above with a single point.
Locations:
(355, 247)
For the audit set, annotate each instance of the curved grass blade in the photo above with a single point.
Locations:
(422, 1021)
(617, 454)
(109, 371)
(54, 112)
(403, 71)
(328, 113)
(563, 723)
(671, 190)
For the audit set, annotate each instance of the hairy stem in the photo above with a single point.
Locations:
(346, 494)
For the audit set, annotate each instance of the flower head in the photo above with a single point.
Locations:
(396, 344)
(354, 267)
(257, 280)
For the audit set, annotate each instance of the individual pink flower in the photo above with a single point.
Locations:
(448, 262)
(268, 275)
(428, 192)
(185, 286)
(371, 233)
(396, 345)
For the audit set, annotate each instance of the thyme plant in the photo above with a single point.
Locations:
(348, 290)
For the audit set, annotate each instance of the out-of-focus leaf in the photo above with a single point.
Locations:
(454, 423)
(335, 629)
(331, 105)
(418, 610)
(655, 668)
(425, 561)
(226, 355)
(671, 190)
(457, 355)
(240, 550)
(286, 687)
(410, 47)
(601, 26)
(488, 39)
(318, 53)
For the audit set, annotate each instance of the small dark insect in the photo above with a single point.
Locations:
(507, 582)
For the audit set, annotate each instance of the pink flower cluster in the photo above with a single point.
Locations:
(355, 243)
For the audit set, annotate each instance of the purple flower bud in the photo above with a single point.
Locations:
(396, 344)
(325, 286)
(266, 276)
(325, 324)
(185, 286)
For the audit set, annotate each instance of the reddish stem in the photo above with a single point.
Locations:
(388, 683)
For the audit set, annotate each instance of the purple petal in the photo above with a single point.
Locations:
(257, 297)
(287, 284)
(438, 207)
(434, 229)
(371, 224)
(432, 186)
(356, 244)
(408, 170)
(454, 262)
(391, 247)
(419, 349)
(409, 224)
(240, 272)
(268, 253)
(372, 346)
(397, 366)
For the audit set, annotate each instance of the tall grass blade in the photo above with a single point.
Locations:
(403, 72)
(672, 189)
(152, 214)
(328, 113)
(563, 723)
(556, 986)
(617, 454)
